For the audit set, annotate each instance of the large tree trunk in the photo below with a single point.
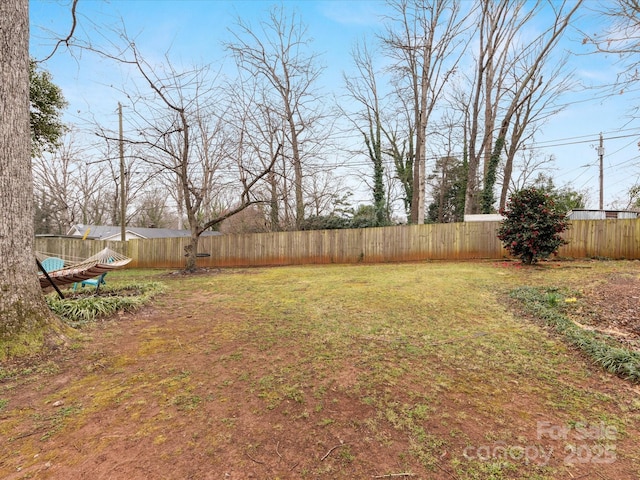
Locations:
(297, 165)
(25, 320)
(191, 251)
(274, 211)
(420, 166)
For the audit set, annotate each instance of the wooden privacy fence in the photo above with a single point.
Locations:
(76, 248)
(368, 245)
(454, 241)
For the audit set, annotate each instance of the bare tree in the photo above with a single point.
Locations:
(251, 220)
(178, 117)
(498, 25)
(170, 183)
(81, 184)
(262, 130)
(401, 150)
(423, 40)
(621, 37)
(94, 194)
(278, 53)
(325, 194)
(368, 120)
(151, 209)
(24, 315)
(525, 88)
(449, 173)
(508, 84)
(539, 103)
(529, 164)
(53, 176)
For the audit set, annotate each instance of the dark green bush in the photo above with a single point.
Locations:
(532, 226)
(324, 222)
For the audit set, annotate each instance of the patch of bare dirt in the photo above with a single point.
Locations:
(612, 307)
(182, 411)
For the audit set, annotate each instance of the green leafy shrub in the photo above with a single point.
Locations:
(532, 226)
(324, 222)
(82, 308)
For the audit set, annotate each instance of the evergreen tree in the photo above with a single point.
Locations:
(448, 191)
(533, 225)
(46, 103)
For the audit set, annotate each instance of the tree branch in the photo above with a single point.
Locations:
(68, 38)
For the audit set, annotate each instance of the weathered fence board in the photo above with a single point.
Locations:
(405, 243)
(77, 249)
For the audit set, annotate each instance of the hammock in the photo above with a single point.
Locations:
(102, 262)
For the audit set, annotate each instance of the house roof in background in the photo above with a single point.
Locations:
(102, 232)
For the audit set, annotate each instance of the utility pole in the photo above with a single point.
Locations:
(601, 158)
(123, 205)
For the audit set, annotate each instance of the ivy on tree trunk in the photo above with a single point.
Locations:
(490, 178)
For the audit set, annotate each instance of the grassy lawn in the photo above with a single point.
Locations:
(425, 370)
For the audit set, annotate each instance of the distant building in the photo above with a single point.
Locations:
(483, 217)
(583, 214)
(110, 232)
(577, 214)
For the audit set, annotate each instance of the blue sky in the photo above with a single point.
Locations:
(192, 30)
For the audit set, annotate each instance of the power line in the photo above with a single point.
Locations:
(559, 142)
(585, 100)
(589, 135)
(622, 148)
(592, 138)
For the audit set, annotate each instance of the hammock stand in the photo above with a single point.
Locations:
(46, 274)
(102, 262)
